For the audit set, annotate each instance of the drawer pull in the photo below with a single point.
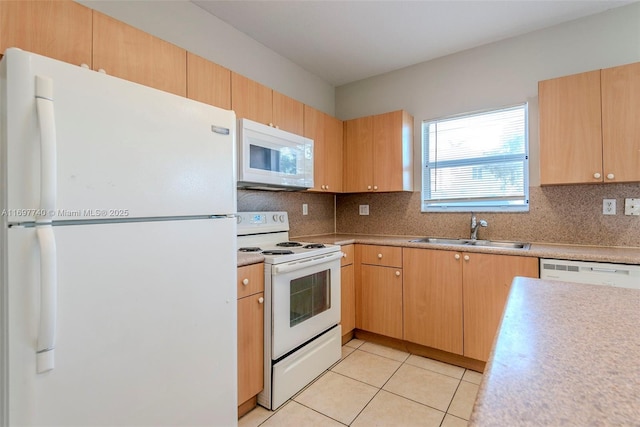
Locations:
(379, 256)
(260, 300)
(245, 282)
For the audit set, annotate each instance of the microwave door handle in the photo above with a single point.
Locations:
(286, 268)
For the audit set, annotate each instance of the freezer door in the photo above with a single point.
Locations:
(101, 147)
(146, 326)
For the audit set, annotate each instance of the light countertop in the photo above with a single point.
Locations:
(541, 250)
(565, 354)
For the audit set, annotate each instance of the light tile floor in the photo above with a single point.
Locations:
(373, 385)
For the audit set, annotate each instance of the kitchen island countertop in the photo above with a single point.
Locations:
(623, 255)
(565, 354)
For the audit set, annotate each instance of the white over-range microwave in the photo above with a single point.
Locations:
(273, 159)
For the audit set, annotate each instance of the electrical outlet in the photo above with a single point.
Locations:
(364, 210)
(305, 209)
(632, 206)
(608, 206)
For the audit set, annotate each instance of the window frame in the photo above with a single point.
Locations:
(471, 204)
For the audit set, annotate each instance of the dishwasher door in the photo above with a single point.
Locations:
(594, 273)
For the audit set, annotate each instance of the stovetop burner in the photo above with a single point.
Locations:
(278, 252)
(288, 244)
(314, 246)
(250, 249)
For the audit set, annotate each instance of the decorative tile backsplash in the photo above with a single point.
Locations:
(558, 214)
(569, 214)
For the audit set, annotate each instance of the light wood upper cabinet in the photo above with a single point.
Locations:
(126, 52)
(208, 82)
(57, 29)
(589, 132)
(485, 287)
(378, 153)
(326, 132)
(288, 114)
(251, 100)
(433, 298)
(621, 123)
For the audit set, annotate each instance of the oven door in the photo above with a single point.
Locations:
(305, 300)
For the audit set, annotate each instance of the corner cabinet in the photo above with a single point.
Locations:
(453, 301)
(589, 132)
(379, 290)
(378, 153)
(326, 132)
(250, 335)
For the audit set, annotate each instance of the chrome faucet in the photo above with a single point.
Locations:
(475, 224)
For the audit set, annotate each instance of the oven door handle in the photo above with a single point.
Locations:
(297, 265)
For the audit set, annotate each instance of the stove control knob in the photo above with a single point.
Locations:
(275, 218)
(281, 218)
(239, 219)
(245, 282)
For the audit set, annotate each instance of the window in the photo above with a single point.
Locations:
(476, 162)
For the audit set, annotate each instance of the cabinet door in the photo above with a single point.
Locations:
(389, 157)
(381, 305)
(57, 29)
(333, 163)
(620, 123)
(348, 299)
(433, 298)
(358, 155)
(570, 129)
(208, 82)
(251, 100)
(314, 128)
(288, 114)
(485, 287)
(126, 52)
(250, 346)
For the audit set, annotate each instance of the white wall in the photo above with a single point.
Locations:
(186, 25)
(499, 74)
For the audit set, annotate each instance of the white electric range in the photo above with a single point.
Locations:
(302, 304)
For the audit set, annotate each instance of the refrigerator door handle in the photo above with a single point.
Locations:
(48, 299)
(48, 161)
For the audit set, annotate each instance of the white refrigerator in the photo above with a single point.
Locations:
(118, 256)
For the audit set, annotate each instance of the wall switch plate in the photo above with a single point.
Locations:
(364, 210)
(632, 206)
(608, 206)
(305, 209)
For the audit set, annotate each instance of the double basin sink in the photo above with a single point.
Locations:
(469, 242)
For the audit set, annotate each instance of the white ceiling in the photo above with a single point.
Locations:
(345, 41)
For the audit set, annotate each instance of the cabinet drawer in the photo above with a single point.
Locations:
(347, 258)
(250, 279)
(388, 256)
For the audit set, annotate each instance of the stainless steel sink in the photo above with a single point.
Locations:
(469, 242)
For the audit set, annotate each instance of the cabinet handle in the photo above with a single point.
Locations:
(245, 282)
(597, 175)
(610, 176)
(379, 256)
(260, 300)
(344, 254)
(368, 187)
(466, 257)
(326, 187)
(375, 187)
(397, 274)
(457, 256)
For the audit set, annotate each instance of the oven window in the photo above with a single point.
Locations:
(268, 159)
(310, 295)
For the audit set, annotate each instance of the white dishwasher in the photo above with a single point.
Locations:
(594, 273)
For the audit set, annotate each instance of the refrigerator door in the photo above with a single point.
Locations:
(84, 145)
(145, 331)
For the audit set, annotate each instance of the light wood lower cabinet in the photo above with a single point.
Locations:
(379, 291)
(347, 291)
(250, 333)
(453, 301)
(433, 298)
